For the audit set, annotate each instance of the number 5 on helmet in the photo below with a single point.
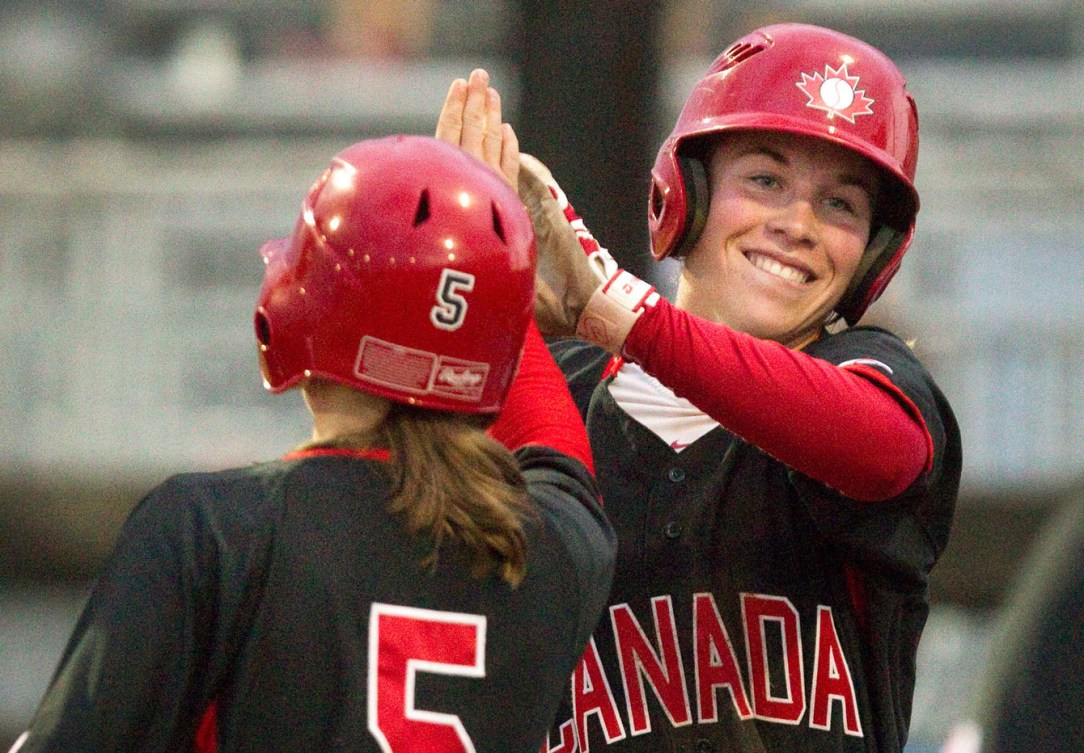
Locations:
(409, 275)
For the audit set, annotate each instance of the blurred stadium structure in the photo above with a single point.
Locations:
(148, 147)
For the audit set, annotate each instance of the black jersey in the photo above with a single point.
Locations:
(287, 598)
(753, 608)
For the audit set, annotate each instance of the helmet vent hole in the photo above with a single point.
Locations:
(263, 329)
(498, 226)
(656, 201)
(422, 213)
(737, 53)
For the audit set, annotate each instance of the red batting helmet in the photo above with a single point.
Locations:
(806, 80)
(409, 275)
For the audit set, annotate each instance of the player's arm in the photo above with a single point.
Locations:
(539, 409)
(850, 429)
(127, 680)
(541, 424)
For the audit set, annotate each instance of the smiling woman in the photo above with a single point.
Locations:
(789, 219)
(780, 489)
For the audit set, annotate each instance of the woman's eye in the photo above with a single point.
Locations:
(849, 209)
(767, 181)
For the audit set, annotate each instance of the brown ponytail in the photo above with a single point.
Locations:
(452, 480)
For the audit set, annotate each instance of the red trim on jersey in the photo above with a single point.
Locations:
(368, 453)
(841, 426)
(613, 366)
(206, 740)
(539, 409)
(856, 585)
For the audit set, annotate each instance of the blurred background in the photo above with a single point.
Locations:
(149, 147)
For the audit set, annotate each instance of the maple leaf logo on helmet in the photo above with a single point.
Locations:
(836, 92)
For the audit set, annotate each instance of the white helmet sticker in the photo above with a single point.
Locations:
(836, 92)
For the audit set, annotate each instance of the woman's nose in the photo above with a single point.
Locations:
(796, 219)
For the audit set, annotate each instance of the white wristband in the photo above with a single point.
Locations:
(613, 309)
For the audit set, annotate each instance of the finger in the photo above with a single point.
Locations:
(494, 133)
(450, 122)
(474, 113)
(509, 160)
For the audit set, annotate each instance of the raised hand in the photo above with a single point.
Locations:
(471, 119)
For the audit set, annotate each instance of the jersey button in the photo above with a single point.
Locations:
(675, 474)
(672, 529)
(704, 745)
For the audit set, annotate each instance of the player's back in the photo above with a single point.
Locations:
(353, 639)
(281, 607)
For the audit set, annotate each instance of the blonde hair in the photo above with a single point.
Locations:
(452, 481)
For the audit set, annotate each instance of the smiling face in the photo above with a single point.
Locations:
(789, 219)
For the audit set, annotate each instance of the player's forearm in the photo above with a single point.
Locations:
(827, 422)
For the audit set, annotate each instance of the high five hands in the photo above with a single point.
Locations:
(571, 264)
(471, 119)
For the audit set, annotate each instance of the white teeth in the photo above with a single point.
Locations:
(771, 266)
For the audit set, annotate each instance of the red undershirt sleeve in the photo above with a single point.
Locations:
(539, 409)
(850, 429)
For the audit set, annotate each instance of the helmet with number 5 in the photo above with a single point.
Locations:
(807, 80)
(409, 275)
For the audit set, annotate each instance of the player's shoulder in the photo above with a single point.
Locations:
(190, 515)
(235, 493)
(877, 346)
(546, 468)
(897, 359)
(221, 484)
(583, 364)
(578, 358)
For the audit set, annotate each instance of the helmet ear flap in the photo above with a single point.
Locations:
(878, 265)
(694, 176)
